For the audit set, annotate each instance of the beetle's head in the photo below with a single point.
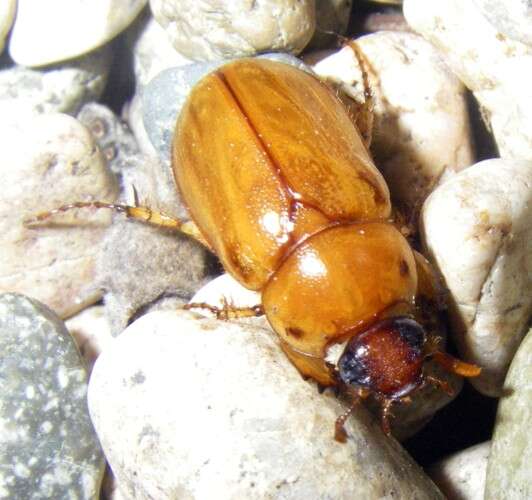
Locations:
(387, 359)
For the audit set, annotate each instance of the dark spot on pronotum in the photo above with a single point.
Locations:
(297, 333)
(403, 268)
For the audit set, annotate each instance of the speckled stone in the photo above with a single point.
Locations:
(165, 95)
(48, 448)
(509, 474)
(61, 88)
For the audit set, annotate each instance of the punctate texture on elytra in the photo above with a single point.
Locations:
(265, 154)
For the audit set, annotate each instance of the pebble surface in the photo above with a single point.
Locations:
(211, 30)
(508, 475)
(486, 212)
(191, 407)
(62, 88)
(48, 162)
(48, 448)
(52, 31)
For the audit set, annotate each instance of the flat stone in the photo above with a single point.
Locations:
(62, 88)
(212, 30)
(48, 32)
(421, 132)
(477, 228)
(508, 475)
(48, 448)
(490, 64)
(191, 407)
(7, 14)
(47, 162)
(463, 474)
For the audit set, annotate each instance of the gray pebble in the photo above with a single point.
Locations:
(48, 448)
(509, 475)
(61, 88)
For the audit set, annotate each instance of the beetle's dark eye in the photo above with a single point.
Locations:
(387, 358)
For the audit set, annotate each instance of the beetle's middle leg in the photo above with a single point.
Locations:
(228, 310)
(140, 213)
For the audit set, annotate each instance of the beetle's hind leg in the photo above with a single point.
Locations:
(144, 214)
(228, 310)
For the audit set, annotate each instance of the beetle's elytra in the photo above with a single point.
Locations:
(280, 185)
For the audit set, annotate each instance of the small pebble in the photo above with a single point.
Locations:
(52, 31)
(48, 448)
(494, 67)
(508, 476)
(50, 161)
(477, 227)
(211, 30)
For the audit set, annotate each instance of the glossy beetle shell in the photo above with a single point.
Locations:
(264, 155)
(276, 177)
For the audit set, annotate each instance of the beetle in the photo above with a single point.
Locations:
(280, 185)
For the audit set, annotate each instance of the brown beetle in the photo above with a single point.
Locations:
(280, 185)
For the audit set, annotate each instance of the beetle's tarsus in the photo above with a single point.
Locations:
(440, 384)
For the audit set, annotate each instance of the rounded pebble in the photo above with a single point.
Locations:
(508, 476)
(191, 407)
(52, 31)
(61, 88)
(421, 129)
(490, 64)
(48, 448)
(49, 162)
(211, 30)
(477, 227)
